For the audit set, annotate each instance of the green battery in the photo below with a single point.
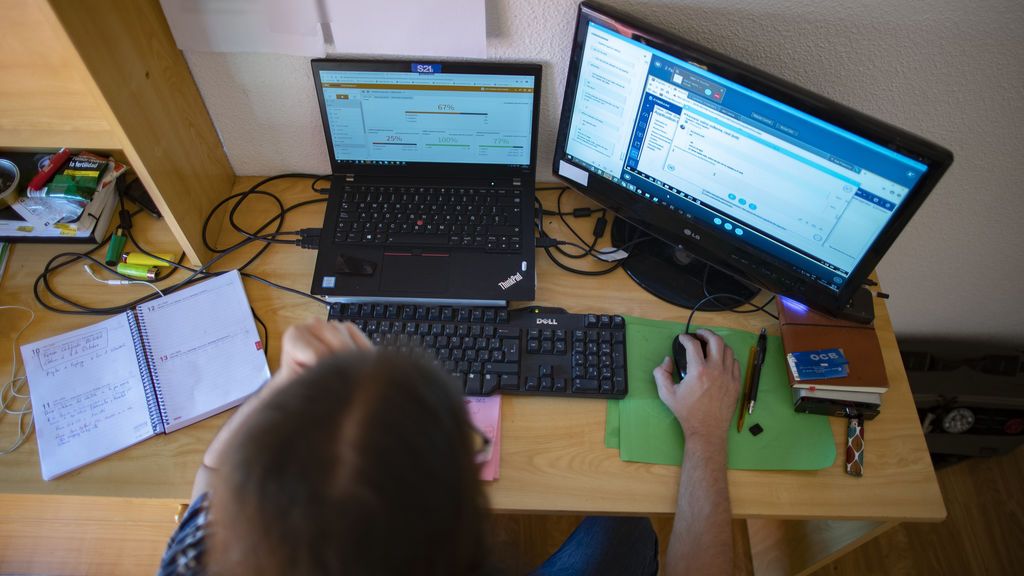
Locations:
(137, 271)
(115, 248)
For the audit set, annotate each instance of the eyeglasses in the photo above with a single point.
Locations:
(481, 445)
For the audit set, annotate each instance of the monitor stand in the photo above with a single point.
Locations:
(675, 275)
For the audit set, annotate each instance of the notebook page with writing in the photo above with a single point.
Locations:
(88, 396)
(203, 349)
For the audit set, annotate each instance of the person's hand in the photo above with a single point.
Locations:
(304, 345)
(704, 401)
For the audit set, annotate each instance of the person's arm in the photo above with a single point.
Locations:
(703, 402)
(302, 346)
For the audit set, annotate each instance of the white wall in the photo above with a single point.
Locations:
(949, 70)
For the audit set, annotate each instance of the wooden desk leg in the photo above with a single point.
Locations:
(742, 557)
(799, 547)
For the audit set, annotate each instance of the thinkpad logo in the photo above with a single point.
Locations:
(550, 321)
(511, 281)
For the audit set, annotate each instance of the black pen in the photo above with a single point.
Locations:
(762, 344)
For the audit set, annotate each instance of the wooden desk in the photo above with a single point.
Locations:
(553, 454)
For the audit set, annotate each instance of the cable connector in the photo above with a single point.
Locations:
(309, 238)
(548, 242)
(583, 212)
(599, 227)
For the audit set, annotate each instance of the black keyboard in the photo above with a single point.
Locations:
(535, 350)
(445, 217)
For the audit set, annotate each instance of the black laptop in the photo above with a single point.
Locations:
(433, 180)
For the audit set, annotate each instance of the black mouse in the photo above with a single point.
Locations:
(679, 353)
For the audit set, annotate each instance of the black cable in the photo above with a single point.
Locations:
(742, 301)
(65, 258)
(312, 185)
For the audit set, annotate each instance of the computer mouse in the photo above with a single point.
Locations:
(679, 353)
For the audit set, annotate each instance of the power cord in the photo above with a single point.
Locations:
(51, 299)
(548, 243)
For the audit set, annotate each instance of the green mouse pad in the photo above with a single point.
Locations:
(644, 430)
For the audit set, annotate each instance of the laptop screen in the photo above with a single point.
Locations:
(377, 117)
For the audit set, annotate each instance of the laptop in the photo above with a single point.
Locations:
(432, 194)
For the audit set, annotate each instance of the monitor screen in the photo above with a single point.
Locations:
(665, 130)
(386, 117)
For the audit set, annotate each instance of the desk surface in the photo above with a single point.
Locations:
(553, 457)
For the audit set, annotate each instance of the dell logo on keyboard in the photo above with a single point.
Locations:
(505, 285)
(550, 321)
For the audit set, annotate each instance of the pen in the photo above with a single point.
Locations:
(745, 399)
(762, 344)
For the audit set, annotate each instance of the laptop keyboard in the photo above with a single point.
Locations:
(432, 216)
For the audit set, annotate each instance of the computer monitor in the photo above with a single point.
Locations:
(769, 184)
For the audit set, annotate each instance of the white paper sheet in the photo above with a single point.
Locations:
(409, 27)
(270, 26)
(449, 28)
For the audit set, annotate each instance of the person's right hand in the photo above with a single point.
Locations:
(704, 401)
(303, 345)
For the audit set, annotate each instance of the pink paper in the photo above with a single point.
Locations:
(485, 414)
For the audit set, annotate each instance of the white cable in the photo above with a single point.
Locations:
(120, 282)
(12, 390)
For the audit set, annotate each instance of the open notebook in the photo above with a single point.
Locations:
(166, 364)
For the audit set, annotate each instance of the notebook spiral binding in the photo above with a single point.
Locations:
(151, 383)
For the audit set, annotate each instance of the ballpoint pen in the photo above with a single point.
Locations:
(762, 344)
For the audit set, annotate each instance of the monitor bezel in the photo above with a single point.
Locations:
(715, 246)
(429, 169)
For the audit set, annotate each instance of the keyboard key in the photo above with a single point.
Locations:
(510, 382)
(490, 384)
(501, 368)
(473, 384)
(585, 385)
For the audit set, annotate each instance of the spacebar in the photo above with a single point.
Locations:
(419, 239)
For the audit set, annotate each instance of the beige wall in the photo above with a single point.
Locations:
(950, 70)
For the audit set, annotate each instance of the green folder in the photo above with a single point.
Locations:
(644, 430)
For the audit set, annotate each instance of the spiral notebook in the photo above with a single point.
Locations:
(164, 365)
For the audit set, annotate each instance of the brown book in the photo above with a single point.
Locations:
(804, 330)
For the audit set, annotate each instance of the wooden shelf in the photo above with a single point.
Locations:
(95, 75)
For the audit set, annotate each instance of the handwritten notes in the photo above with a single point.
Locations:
(54, 357)
(88, 395)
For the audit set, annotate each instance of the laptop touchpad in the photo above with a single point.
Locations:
(418, 272)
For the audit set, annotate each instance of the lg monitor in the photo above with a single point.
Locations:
(745, 180)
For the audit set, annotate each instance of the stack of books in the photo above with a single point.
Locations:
(835, 367)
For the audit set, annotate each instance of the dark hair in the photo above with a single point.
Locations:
(363, 465)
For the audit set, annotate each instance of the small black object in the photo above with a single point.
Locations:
(756, 429)
(679, 353)
(135, 191)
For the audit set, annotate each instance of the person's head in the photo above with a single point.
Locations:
(362, 465)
